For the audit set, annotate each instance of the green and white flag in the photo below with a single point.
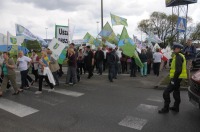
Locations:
(56, 47)
(116, 20)
(15, 40)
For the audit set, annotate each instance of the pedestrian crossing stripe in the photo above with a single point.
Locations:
(16, 108)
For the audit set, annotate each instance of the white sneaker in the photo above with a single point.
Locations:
(38, 92)
(51, 90)
(70, 83)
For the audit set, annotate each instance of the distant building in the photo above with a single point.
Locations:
(78, 41)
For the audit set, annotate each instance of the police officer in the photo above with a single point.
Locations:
(177, 73)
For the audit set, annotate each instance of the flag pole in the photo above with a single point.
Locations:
(7, 41)
(68, 32)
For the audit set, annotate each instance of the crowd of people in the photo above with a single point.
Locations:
(79, 60)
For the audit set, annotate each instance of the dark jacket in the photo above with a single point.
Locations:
(149, 56)
(88, 58)
(99, 55)
(189, 52)
(72, 60)
(111, 58)
(143, 58)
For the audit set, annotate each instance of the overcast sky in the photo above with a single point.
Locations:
(36, 15)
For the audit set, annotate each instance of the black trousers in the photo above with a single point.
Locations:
(41, 77)
(35, 73)
(175, 88)
(149, 68)
(81, 67)
(90, 70)
(111, 72)
(133, 70)
(156, 68)
(100, 67)
(104, 64)
(60, 71)
(25, 78)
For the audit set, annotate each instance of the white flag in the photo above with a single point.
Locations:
(22, 31)
(15, 40)
(56, 47)
(3, 39)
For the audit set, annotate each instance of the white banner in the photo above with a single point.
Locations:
(62, 34)
(56, 47)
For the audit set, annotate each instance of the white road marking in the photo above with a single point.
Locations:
(16, 108)
(133, 122)
(69, 93)
(147, 108)
(155, 99)
(64, 92)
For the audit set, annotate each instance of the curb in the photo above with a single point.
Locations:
(162, 87)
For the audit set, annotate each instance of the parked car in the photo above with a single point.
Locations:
(194, 89)
(196, 61)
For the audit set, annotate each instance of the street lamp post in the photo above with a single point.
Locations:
(97, 28)
(101, 14)
(46, 33)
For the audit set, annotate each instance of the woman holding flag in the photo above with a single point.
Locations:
(43, 63)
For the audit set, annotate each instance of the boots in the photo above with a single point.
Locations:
(175, 109)
(163, 110)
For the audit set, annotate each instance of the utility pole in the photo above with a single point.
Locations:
(46, 33)
(101, 14)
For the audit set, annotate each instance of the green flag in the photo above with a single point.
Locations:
(108, 34)
(137, 60)
(116, 20)
(128, 47)
(89, 39)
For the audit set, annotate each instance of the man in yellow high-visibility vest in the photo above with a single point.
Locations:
(178, 72)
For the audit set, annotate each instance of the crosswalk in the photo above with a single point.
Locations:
(22, 110)
(137, 122)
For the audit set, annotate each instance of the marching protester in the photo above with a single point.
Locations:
(116, 62)
(157, 56)
(23, 63)
(133, 67)
(119, 55)
(143, 58)
(104, 60)
(123, 62)
(71, 71)
(8, 71)
(99, 58)
(53, 66)
(177, 73)
(111, 60)
(149, 60)
(44, 63)
(89, 60)
(80, 61)
(35, 59)
(72, 46)
(189, 52)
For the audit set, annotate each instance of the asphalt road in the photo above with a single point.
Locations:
(96, 105)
